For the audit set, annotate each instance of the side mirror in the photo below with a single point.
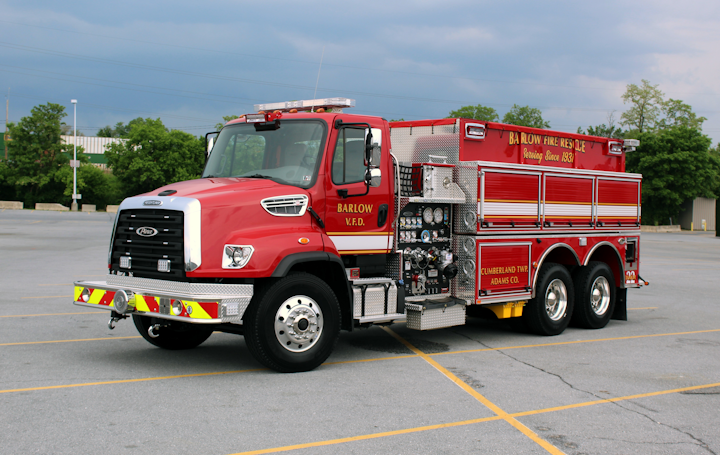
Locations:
(373, 177)
(369, 149)
(210, 141)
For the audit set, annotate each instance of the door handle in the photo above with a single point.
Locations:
(382, 215)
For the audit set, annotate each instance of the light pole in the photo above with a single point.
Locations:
(74, 205)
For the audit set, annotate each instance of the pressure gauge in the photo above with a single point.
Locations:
(428, 215)
(438, 215)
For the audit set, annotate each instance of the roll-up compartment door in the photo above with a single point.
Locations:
(567, 201)
(617, 203)
(508, 200)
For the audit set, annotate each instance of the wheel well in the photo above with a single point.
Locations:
(562, 254)
(608, 255)
(332, 274)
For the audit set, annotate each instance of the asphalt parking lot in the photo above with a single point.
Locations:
(70, 385)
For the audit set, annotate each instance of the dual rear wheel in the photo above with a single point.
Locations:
(587, 298)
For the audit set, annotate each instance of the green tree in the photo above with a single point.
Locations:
(120, 130)
(677, 166)
(525, 116)
(603, 130)
(96, 186)
(36, 156)
(646, 106)
(226, 118)
(478, 112)
(152, 157)
(678, 113)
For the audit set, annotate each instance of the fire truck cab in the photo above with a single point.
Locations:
(307, 221)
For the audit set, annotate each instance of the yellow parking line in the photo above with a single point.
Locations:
(125, 381)
(52, 314)
(368, 436)
(468, 422)
(561, 343)
(46, 297)
(615, 400)
(478, 396)
(69, 341)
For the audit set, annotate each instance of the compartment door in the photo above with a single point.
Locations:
(617, 203)
(503, 268)
(567, 201)
(509, 199)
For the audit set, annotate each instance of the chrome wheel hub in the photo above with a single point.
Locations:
(298, 323)
(556, 299)
(600, 295)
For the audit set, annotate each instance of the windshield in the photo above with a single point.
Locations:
(289, 154)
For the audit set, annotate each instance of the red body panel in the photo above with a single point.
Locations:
(532, 146)
(504, 268)
(501, 261)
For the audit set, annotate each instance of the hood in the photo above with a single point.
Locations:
(224, 192)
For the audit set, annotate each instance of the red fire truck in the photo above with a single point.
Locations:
(308, 221)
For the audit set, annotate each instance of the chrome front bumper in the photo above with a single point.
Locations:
(195, 303)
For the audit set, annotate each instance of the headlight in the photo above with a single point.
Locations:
(236, 256)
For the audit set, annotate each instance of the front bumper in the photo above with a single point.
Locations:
(195, 303)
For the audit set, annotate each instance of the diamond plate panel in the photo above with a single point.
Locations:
(375, 300)
(437, 318)
(416, 144)
(463, 285)
(466, 176)
(392, 265)
(195, 289)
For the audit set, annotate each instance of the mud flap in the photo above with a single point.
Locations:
(620, 312)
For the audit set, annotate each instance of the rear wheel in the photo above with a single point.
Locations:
(595, 295)
(172, 335)
(293, 323)
(549, 312)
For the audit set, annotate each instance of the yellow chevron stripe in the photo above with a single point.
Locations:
(78, 292)
(197, 310)
(96, 296)
(140, 304)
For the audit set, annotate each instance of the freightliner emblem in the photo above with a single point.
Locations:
(152, 202)
(146, 231)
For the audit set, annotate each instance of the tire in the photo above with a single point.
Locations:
(550, 311)
(595, 296)
(174, 336)
(293, 323)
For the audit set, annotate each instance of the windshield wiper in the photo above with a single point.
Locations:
(256, 176)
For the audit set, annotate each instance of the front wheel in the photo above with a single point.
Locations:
(172, 335)
(550, 311)
(595, 287)
(293, 323)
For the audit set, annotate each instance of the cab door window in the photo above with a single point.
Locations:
(348, 165)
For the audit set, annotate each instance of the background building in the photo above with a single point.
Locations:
(94, 147)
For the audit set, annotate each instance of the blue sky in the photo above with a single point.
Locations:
(190, 63)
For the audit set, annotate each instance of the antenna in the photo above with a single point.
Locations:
(318, 78)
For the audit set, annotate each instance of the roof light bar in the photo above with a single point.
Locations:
(305, 105)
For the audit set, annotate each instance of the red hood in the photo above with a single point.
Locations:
(223, 192)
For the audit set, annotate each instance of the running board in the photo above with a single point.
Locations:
(394, 317)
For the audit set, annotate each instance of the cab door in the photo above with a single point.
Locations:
(358, 223)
